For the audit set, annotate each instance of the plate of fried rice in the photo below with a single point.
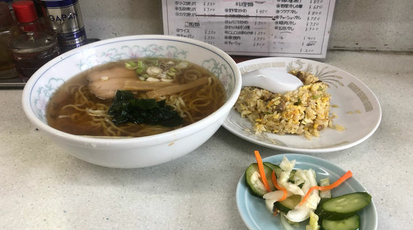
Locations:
(332, 111)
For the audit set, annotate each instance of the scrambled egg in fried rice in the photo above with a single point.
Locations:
(304, 111)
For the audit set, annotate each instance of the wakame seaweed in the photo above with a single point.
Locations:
(126, 108)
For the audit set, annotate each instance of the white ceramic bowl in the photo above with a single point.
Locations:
(141, 151)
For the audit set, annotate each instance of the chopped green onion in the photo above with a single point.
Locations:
(298, 102)
(139, 70)
(152, 62)
(131, 65)
(171, 73)
(140, 67)
(316, 96)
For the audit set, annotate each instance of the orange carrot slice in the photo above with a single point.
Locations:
(261, 170)
(347, 175)
(337, 182)
(274, 181)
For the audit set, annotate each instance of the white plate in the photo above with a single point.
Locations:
(358, 110)
(256, 216)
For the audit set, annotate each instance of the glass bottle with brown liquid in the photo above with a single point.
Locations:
(35, 46)
(8, 31)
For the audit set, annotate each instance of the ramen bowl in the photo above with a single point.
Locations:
(134, 152)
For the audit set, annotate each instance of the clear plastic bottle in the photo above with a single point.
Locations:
(8, 31)
(35, 46)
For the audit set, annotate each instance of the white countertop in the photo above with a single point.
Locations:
(42, 187)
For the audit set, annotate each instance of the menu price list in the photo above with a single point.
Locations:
(296, 28)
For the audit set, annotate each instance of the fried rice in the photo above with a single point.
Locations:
(305, 111)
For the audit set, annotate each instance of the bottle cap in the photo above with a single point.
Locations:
(5, 16)
(25, 11)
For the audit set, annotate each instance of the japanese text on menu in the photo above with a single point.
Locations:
(289, 28)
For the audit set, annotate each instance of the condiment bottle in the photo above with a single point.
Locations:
(66, 20)
(9, 2)
(41, 14)
(8, 31)
(35, 47)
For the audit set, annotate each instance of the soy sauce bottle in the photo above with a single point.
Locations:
(8, 31)
(35, 46)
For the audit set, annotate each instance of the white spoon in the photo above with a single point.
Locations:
(272, 80)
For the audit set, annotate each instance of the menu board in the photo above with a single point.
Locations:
(288, 28)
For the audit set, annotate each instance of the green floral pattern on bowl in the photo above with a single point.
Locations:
(216, 65)
(128, 52)
(42, 97)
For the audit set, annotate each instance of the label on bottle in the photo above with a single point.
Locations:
(66, 19)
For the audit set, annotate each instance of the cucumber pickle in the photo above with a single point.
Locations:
(338, 213)
(288, 204)
(254, 182)
(342, 207)
(351, 223)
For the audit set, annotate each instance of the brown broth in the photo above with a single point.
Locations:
(68, 112)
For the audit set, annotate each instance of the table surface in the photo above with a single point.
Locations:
(43, 187)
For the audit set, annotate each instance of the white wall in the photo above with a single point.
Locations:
(373, 25)
(357, 25)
